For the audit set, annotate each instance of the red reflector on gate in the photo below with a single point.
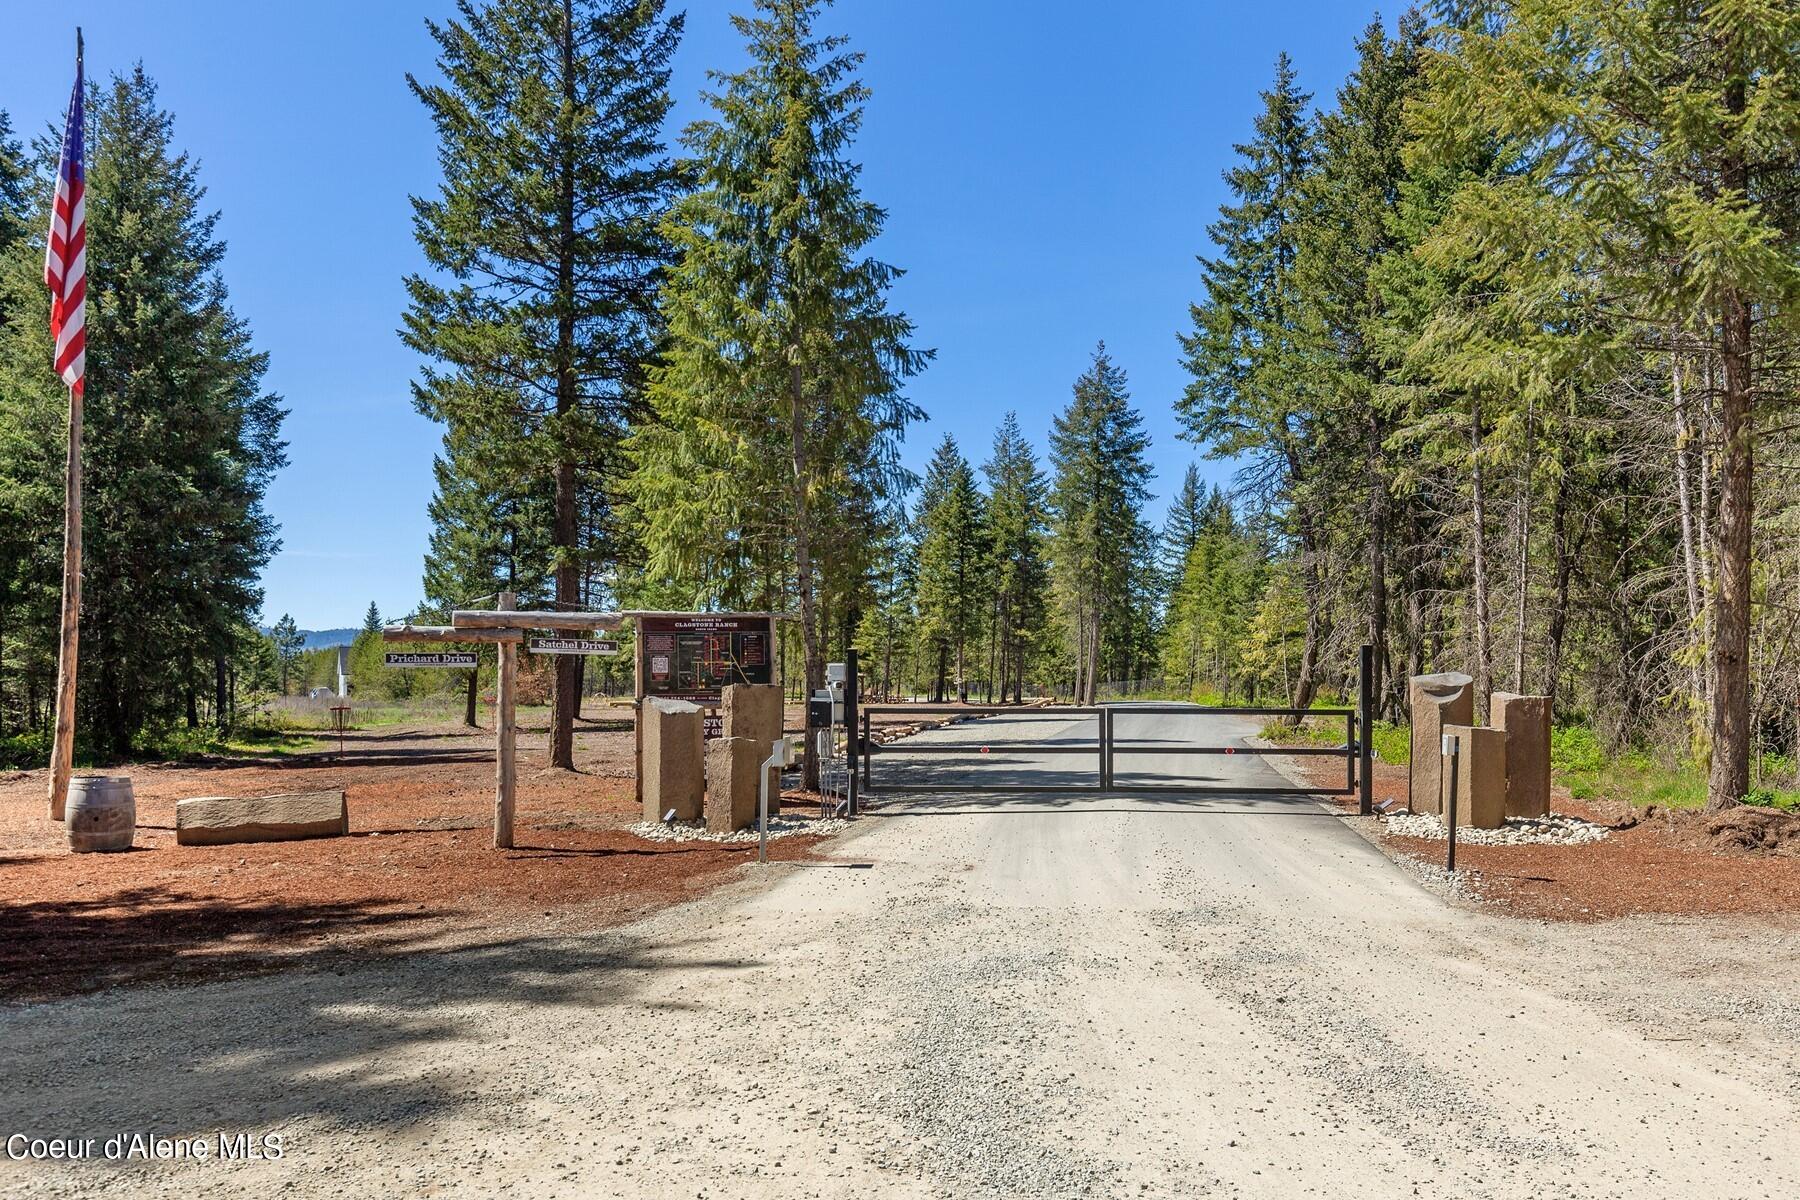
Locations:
(984, 749)
(1231, 749)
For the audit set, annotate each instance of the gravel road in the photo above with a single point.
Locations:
(991, 996)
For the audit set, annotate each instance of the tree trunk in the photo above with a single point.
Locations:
(1565, 569)
(1521, 558)
(1377, 551)
(564, 522)
(469, 698)
(1306, 684)
(221, 698)
(1484, 633)
(803, 564)
(1729, 778)
(1690, 554)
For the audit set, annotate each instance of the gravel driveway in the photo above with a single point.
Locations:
(994, 996)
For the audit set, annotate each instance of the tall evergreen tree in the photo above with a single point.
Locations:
(1181, 530)
(779, 399)
(1018, 519)
(541, 312)
(490, 533)
(1348, 228)
(1251, 397)
(955, 579)
(288, 643)
(1101, 549)
(180, 439)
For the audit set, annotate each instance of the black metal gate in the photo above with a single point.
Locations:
(1104, 749)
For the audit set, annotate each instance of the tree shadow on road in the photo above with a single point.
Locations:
(340, 1042)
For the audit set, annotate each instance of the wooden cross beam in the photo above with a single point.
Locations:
(445, 633)
(464, 618)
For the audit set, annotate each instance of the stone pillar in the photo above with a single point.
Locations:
(1526, 720)
(1438, 700)
(1480, 776)
(752, 710)
(731, 780)
(673, 778)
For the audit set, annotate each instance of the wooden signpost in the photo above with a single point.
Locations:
(688, 655)
(504, 626)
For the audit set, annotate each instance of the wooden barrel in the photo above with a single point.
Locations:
(101, 813)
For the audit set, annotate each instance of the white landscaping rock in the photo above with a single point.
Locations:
(1552, 830)
(683, 831)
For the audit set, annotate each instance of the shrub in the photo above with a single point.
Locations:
(1575, 749)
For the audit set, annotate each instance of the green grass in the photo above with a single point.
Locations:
(1393, 743)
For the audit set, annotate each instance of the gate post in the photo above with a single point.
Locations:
(1103, 719)
(1365, 734)
(852, 686)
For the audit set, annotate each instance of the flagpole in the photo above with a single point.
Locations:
(62, 759)
(62, 753)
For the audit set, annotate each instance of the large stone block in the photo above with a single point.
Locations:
(1447, 698)
(1526, 720)
(1480, 776)
(221, 820)
(752, 710)
(731, 783)
(674, 775)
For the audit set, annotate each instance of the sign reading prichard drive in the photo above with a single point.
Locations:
(442, 658)
(692, 656)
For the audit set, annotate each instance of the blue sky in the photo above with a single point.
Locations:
(1049, 168)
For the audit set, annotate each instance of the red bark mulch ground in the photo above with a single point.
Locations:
(418, 865)
(1666, 864)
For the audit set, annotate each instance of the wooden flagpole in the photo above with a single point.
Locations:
(62, 754)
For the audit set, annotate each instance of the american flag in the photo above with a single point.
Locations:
(65, 262)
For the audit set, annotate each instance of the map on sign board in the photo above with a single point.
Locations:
(441, 658)
(573, 646)
(692, 656)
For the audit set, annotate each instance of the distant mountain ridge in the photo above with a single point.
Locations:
(321, 639)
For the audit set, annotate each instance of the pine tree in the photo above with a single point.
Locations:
(779, 399)
(1250, 397)
(286, 639)
(955, 580)
(1181, 531)
(1018, 519)
(1349, 227)
(490, 533)
(180, 440)
(555, 178)
(1100, 547)
(371, 622)
(888, 626)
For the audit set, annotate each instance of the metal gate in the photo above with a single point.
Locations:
(1102, 751)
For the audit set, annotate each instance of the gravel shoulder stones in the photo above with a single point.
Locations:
(695, 831)
(1553, 830)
